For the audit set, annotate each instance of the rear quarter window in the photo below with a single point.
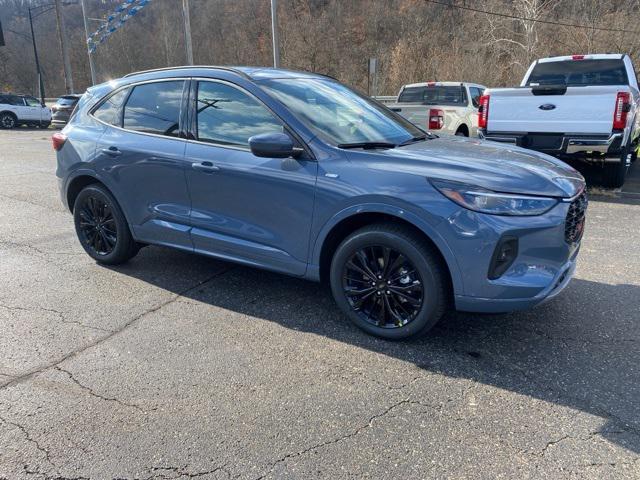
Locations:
(579, 73)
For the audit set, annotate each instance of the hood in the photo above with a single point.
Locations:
(491, 165)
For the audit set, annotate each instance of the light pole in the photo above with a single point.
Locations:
(92, 67)
(187, 31)
(68, 76)
(35, 55)
(274, 33)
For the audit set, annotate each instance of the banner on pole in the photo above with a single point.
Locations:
(113, 22)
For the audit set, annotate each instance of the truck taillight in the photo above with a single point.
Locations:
(483, 111)
(622, 109)
(58, 140)
(436, 119)
(577, 57)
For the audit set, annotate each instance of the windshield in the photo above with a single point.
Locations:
(339, 115)
(579, 72)
(434, 95)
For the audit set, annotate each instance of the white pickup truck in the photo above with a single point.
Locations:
(448, 107)
(573, 107)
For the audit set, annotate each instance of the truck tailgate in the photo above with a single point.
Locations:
(587, 110)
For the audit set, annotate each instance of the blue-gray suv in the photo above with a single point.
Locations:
(296, 173)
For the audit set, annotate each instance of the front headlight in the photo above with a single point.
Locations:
(482, 200)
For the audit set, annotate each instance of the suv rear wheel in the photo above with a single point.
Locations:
(101, 226)
(388, 281)
(8, 120)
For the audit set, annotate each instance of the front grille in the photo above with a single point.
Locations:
(574, 225)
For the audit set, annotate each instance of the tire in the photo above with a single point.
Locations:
(460, 133)
(102, 227)
(417, 273)
(8, 121)
(614, 173)
(44, 125)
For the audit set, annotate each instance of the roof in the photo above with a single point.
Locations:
(254, 73)
(443, 84)
(595, 56)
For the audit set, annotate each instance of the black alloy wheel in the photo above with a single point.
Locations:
(102, 227)
(383, 286)
(390, 281)
(98, 226)
(7, 121)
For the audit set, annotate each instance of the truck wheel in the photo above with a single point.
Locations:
(8, 120)
(615, 173)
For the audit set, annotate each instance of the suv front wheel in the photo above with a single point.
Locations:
(389, 281)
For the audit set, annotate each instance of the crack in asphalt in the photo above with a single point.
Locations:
(43, 253)
(184, 472)
(31, 373)
(60, 314)
(344, 437)
(30, 439)
(93, 393)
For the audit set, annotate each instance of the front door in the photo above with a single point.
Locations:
(246, 208)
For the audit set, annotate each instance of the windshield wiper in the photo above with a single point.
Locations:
(367, 145)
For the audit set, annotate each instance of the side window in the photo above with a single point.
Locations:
(32, 102)
(476, 93)
(108, 112)
(154, 108)
(229, 116)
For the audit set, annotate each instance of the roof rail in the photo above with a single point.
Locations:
(229, 69)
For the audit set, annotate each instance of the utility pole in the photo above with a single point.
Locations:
(274, 33)
(35, 54)
(86, 33)
(187, 31)
(68, 76)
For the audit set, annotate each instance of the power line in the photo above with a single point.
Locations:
(515, 17)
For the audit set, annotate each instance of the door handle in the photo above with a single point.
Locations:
(205, 167)
(112, 151)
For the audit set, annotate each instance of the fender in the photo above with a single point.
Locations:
(313, 270)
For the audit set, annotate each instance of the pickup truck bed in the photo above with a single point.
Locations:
(581, 107)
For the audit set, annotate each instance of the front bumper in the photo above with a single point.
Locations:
(547, 252)
(491, 305)
(561, 144)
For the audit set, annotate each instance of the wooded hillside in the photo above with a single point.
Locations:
(414, 40)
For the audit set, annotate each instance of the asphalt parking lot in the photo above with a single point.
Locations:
(178, 366)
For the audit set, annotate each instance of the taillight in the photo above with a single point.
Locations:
(436, 119)
(483, 111)
(577, 57)
(58, 140)
(622, 109)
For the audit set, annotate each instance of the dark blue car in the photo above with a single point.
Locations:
(296, 173)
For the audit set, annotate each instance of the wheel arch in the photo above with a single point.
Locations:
(345, 223)
(77, 183)
(463, 128)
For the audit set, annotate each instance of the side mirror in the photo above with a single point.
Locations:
(273, 145)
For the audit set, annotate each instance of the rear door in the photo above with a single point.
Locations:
(142, 154)
(33, 109)
(256, 210)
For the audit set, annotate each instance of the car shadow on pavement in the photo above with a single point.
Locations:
(580, 350)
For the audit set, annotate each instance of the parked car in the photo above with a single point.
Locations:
(448, 107)
(18, 110)
(296, 173)
(62, 109)
(581, 106)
